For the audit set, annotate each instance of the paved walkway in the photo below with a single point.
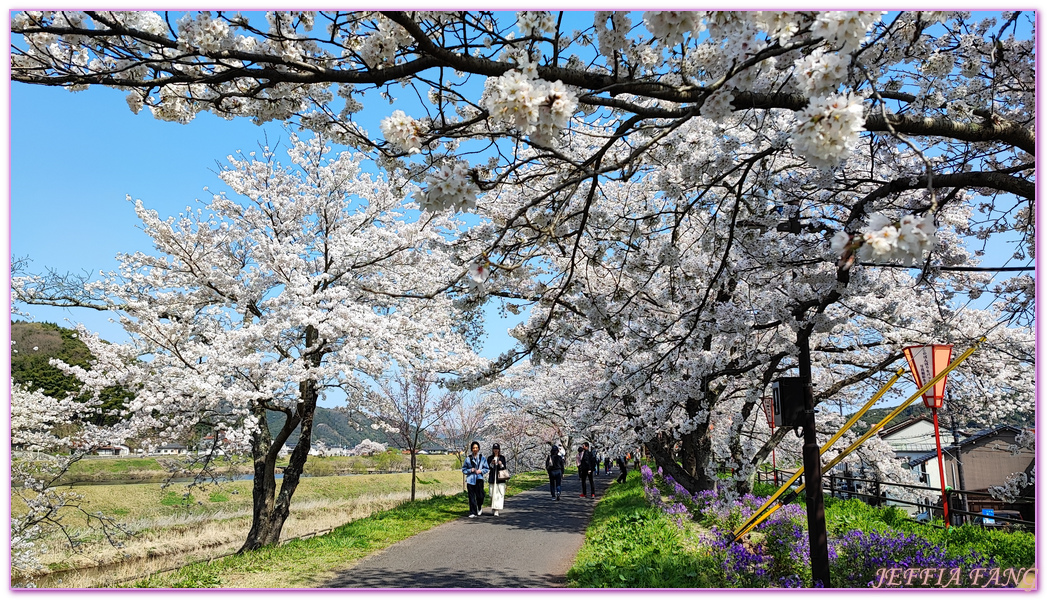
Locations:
(532, 544)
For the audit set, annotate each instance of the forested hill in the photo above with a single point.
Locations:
(332, 427)
(35, 344)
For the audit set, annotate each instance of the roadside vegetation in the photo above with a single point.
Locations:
(307, 563)
(650, 533)
(178, 523)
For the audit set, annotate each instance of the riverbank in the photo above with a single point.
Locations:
(176, 524)
(158, 469)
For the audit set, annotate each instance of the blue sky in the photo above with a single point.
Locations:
(76, 156)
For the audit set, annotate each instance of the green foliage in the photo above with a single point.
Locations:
(193, 576)
(218, 496)
(631, 545)
(424, 462)
(1007, 548)
(392, 460)
(763, 489)
(35, 344)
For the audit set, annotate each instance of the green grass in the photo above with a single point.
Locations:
(218, 497)
(631, 545)
(1009, 549)
(127, 468)
(313, 562)
(176, 499)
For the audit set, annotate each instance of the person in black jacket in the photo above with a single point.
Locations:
(586, 464)
(554, 466)
(497, 463)
(621, 468)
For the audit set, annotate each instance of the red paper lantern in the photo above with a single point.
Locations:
(925, 362)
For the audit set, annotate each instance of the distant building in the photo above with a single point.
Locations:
(117, 450)
(915, 437)
(173, 448)
(987, 460)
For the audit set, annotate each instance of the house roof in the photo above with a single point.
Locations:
(900, 426)
(973, 439)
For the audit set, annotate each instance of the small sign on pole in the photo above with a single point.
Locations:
(926, 362)
(768, 410)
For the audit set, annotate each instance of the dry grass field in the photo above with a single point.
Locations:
(176, 524)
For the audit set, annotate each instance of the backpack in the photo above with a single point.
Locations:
(554, 464)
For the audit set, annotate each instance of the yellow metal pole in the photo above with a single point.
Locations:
(756, 517)
(854, 419)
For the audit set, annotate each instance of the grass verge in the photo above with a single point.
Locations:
(632, 545)
(313, 562)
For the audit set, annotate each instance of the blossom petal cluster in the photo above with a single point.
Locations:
(451, 187)
(203, 33)
(906, 240)
(845, 29)
(669, 26)
(828, 130)
(534, 21)
(403, 132)
(535, 107)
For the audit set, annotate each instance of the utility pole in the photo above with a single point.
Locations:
(960, 483)
(812, 470)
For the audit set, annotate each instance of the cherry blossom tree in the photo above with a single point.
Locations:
(303, 279)
(367, 448)
(49, 435)
(690, 203)
(409, 407)
(465, 422)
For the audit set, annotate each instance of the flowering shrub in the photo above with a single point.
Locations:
(864, 541)
(862, 554)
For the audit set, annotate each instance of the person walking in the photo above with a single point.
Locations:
(607, 465)
(475, 468)
(498, 465)
(554, 466)
(586, 463)
(621, 469)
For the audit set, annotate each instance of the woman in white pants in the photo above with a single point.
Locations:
(497, 463)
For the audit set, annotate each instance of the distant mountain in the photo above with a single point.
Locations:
(332, 427)
(35, 344)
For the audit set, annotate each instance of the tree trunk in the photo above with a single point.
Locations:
(263, 489)
(414, 471)
(742, 486)
(270, 510)
(695, 450)
(694, 453)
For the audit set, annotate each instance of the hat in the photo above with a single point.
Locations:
(495, 447)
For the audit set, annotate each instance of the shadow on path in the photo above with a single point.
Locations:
(532, 544)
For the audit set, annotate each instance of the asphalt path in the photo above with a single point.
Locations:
(531, 544)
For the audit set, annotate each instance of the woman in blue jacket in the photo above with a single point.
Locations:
(475, 468)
